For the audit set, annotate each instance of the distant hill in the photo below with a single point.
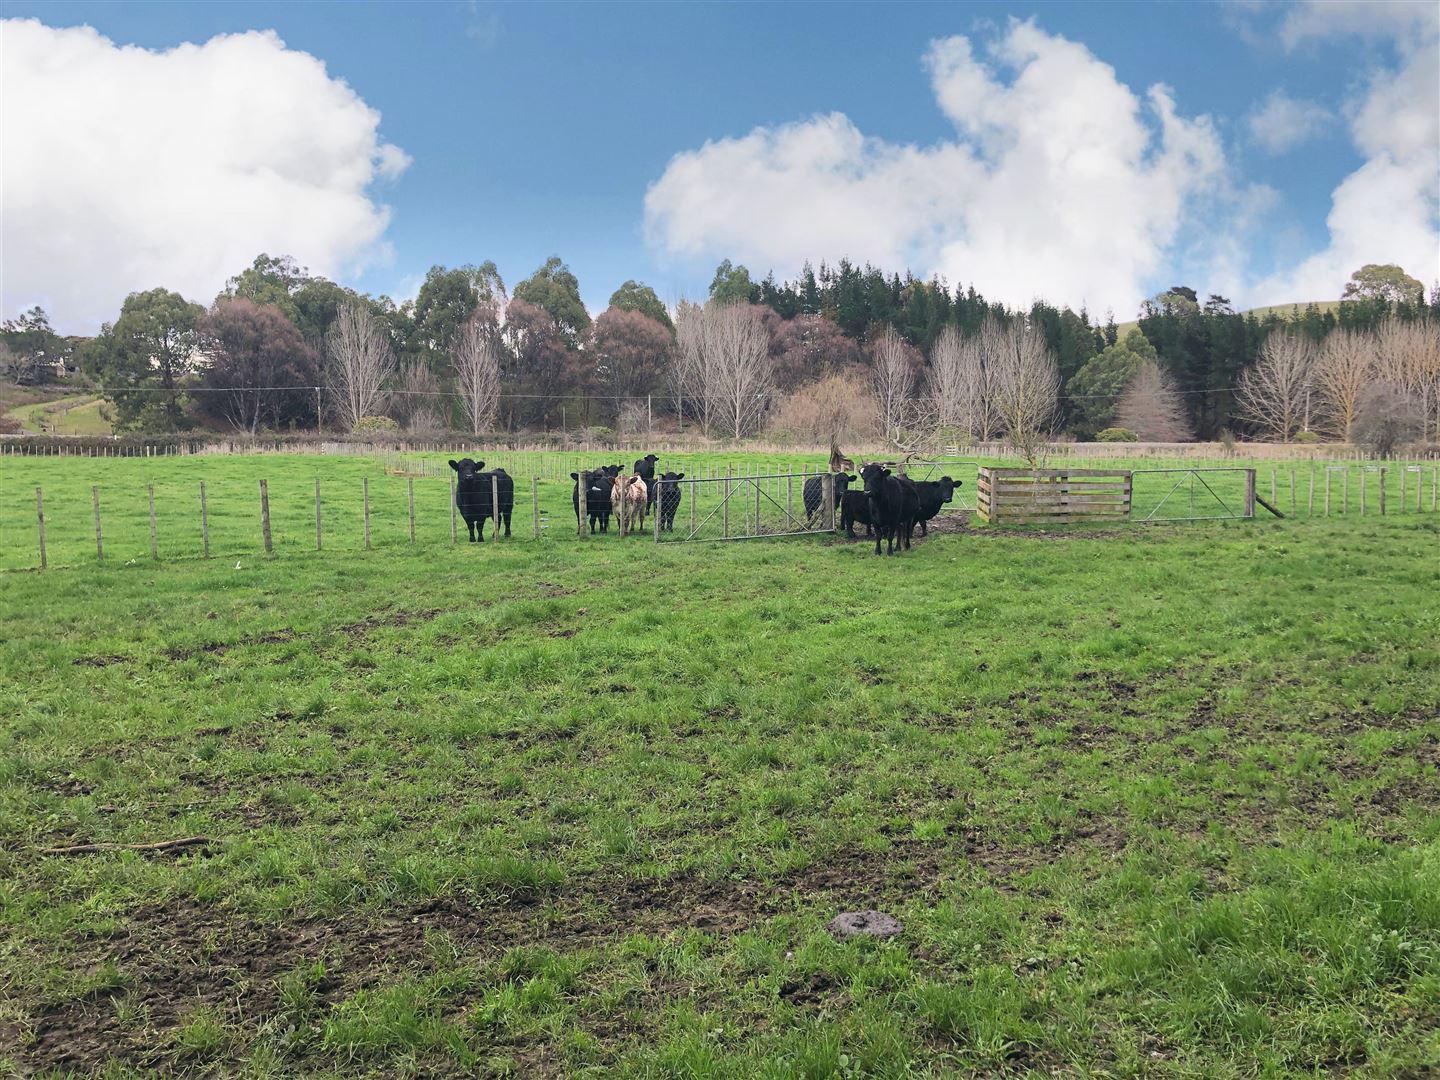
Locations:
(1296, 308)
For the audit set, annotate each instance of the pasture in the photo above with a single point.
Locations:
(1148, 801)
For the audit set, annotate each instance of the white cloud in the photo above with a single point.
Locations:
(1283, 123)
(1062, 182)
(126, 168)
(1388, 210)
(1399, 19)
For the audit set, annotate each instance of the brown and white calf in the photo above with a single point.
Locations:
(629, 496)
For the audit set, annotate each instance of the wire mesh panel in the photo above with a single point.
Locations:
(1188, 494)
(747, 507)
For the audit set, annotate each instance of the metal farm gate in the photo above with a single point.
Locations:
(746, 507)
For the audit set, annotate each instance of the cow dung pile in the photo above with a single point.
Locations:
(864, 924)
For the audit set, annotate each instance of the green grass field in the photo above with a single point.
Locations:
(1153, 802)
(67, 416)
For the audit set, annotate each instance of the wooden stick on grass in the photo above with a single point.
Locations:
(163, 845)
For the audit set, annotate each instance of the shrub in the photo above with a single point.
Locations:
(375, 424)
(1309, 438)
(839, 407)
(1117, 434)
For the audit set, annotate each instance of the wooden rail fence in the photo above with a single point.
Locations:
(1051, 496)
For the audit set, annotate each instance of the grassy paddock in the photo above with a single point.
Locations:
(232, 497)
(1150, 803)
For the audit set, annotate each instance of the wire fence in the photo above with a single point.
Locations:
(79, 517)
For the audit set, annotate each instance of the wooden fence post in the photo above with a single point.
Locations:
(204, 522)
(583, 515)
(725, 505)
(1292, 492)
(1362, 490)
(620, 502)
(657, 511)
(365, 497)
(452, 508)
(99, 538)
(154, 542)
(1274, 498)
(828, 492)
(319, 537)
(265, 514)
(495, 502)
(1249, 496)
(1345, 491)
(410, 500)
(40, 519)
(1382, 490)
(1310, 499)
(535, 505)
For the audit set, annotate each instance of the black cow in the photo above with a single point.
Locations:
(894, 502)
(645, 469)
(855, 506)
(597, 497)
(472, 496)
(933, 494)
(668, 498)
(812, 494)
(505, 491)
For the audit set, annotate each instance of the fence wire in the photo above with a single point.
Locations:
(746, 507)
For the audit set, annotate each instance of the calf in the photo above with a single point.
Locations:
(932, 495)
(666, 497)
(597, 497)
(894, 503)
(855, 506)
(645, 469)
(812, 494)
(472, 496)
(629, 495)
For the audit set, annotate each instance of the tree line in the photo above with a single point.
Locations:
(840, 350)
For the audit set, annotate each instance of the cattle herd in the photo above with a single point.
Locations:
(888, 505)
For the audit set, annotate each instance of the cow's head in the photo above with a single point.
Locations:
(947, 488)
(648, 460)
(873, 474)
(842, 483)
(467, 469)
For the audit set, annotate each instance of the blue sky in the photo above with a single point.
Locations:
(537, 129)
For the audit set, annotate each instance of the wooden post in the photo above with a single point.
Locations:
(1362, 490)
(619, 502)
(757, 482)
(265, 514)
(204, 522)
(40, 519)
(1249, 497)
(452, 508)
(657, 510)
(495, 502)
(1345, 491)
(535, 505)
(99, 539)
(1273, 497)
(410, 499)
(789, 501)
(583, 516)
(1327, 491)
(1382, 490)
(1434, 486)
(828, 493)
(1310, 499)
(725, 510)
(154, 545)
(365, 501)
(319, 539)
(1292, 492)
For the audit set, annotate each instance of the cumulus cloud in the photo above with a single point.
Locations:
(1282, 123)
(1387, 210)
(1061, 181)
(127, 168)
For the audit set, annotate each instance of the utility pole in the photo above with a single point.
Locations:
(319, 416)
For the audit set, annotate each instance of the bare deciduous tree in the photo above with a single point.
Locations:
(1274, 393)
(1344, 366)
(1026, 385)
(722, 365)
(475, 355)
(1386, 418)
(892, 380)
(740, 370)
(1151, 407)
(358, 361)
(1408, 356)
